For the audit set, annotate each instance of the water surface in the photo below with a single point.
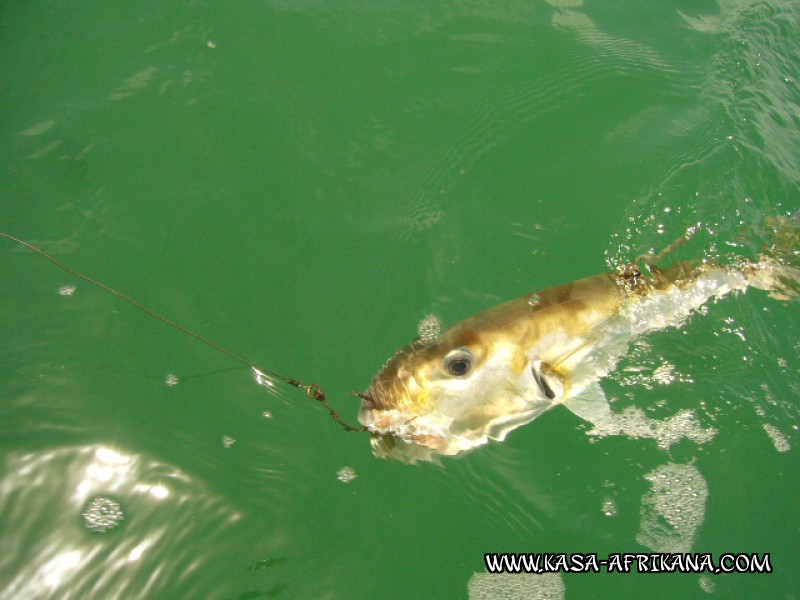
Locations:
(303, 182)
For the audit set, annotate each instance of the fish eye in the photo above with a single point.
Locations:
(459, 362)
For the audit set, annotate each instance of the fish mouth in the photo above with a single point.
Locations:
(409, 437)
(368, 401)
(393, 447)
(377, 412)
(372, 400)
(396, 433)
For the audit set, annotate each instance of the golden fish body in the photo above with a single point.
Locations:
(500, 369)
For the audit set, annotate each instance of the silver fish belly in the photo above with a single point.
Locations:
(502, 368)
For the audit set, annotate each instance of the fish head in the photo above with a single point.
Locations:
(450, 396)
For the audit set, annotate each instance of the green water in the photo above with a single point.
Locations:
(302, 182)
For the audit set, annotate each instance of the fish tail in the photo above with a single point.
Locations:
(778, 267)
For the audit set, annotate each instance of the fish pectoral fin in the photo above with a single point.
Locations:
(590, 405)
(549, 381)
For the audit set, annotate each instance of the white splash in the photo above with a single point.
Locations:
(671, 308)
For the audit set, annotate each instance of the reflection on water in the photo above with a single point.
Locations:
(779, 440)
(58, 500)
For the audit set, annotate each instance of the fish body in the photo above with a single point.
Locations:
(502, 368)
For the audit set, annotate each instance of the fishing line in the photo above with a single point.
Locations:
(312, 390)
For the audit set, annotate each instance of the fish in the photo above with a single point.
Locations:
(448, 394)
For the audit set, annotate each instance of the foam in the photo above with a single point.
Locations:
(633, 423)
(429, 329)
(674, 508)
(516, 586)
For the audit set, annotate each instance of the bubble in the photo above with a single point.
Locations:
(346, 474)
(171, 380)
(609, 507)
(211, 44)
(534, 299)
(102, 514)
(429, 329)
(266, 414)
(66, 290)
(228, 441)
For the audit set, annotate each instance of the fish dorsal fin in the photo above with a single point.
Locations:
(590, 405)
